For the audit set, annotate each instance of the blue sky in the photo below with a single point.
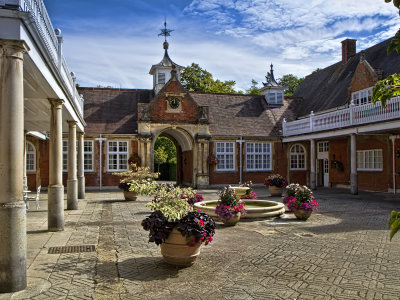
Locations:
(114, 43)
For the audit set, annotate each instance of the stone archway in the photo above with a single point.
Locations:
(184, 144)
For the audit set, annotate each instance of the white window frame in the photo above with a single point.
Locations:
(362, 97)
(323, 146)
(297, 156)
(91, 153)
(30, 156)
(65, 155)
(258, 156)
(118, 153)
(374, 155)
(275, 97)
(223, 155)
(161, 78)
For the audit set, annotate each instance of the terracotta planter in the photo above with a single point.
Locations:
(231, 221)
(131, 196)
(275, 191)
(175, 251)
(302, 214)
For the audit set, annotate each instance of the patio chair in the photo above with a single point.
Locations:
(36, 198)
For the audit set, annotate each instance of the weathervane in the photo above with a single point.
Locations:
(165, 32)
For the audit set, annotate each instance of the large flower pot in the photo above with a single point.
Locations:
(132, 196)
(240, 190)
(231, 221)
(175, 251)
(275, 191)
(302, 214)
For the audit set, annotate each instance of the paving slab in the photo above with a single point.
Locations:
(342, 252)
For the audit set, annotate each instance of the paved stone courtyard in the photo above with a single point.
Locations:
(341, 252)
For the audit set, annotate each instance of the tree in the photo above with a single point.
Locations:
(160, 157)
(196, 79)
(253, 90)
(291, 82)
(169, 148)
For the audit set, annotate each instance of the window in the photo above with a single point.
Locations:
(258, 156)
(225, 152)
(362, 97)
(323, 147)
(88, 156)
(297, 157)
(117, 159)
(65, 155)
(326, 166)
(30, 157)
(275, 97)
(369, 160)
(161, 78)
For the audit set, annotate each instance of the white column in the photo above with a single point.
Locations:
(353, 165)
(81, 171)
(55, 212)
(72, 182)
(12, 207)
(313, 184)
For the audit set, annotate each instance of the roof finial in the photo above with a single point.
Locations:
(165, 32)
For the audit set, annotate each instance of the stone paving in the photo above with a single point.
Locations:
(341, 252)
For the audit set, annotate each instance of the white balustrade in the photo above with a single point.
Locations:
(354, 115)
(41, 20)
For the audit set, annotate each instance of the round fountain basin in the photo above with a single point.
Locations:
(254, 208)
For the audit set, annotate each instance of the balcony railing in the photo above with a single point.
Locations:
(341, 118)
(42, 24)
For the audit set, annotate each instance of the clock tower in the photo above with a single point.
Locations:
(162, 71)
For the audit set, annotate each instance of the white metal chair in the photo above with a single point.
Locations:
(36, 198)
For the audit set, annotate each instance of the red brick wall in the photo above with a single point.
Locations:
(362, 79)
(298, 176)
(375, 181)
(339, 150)
(159, 106)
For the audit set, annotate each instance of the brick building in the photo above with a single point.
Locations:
(306, 137)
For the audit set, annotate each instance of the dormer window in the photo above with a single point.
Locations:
(161, 78)
(275, 98)
(362, 97)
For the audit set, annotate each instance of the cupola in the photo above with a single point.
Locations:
(162, 71)
(272, 91)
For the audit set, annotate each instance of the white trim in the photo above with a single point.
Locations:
(88, 153)
(118, 153)
(33, 152)
(374, 158)
(297, 154)
(225, 154)
(264, 156)
(65, 155)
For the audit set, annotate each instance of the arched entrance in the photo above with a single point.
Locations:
(184, 154)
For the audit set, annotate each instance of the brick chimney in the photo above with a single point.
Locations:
(348, 49)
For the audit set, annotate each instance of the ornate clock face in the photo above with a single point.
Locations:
(174, 103)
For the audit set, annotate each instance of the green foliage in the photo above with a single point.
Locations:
(196, 79)
(387, 88)
(168, 146)
(169, 202)
(160, 156)
(139, 179)
(253, 90)
(394, 222)
(291, 82)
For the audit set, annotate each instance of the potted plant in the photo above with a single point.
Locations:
(212, 160)
(229, 207)
(276, 183)
(179, 229)
(137, 181)
(290, 192)
(302, 203)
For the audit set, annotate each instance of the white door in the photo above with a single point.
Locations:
(323, 156)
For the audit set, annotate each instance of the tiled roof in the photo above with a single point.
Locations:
(242, 115)
(112, 110)
(328, 88)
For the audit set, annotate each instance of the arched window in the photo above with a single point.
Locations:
(297, 157)
(30, 157)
